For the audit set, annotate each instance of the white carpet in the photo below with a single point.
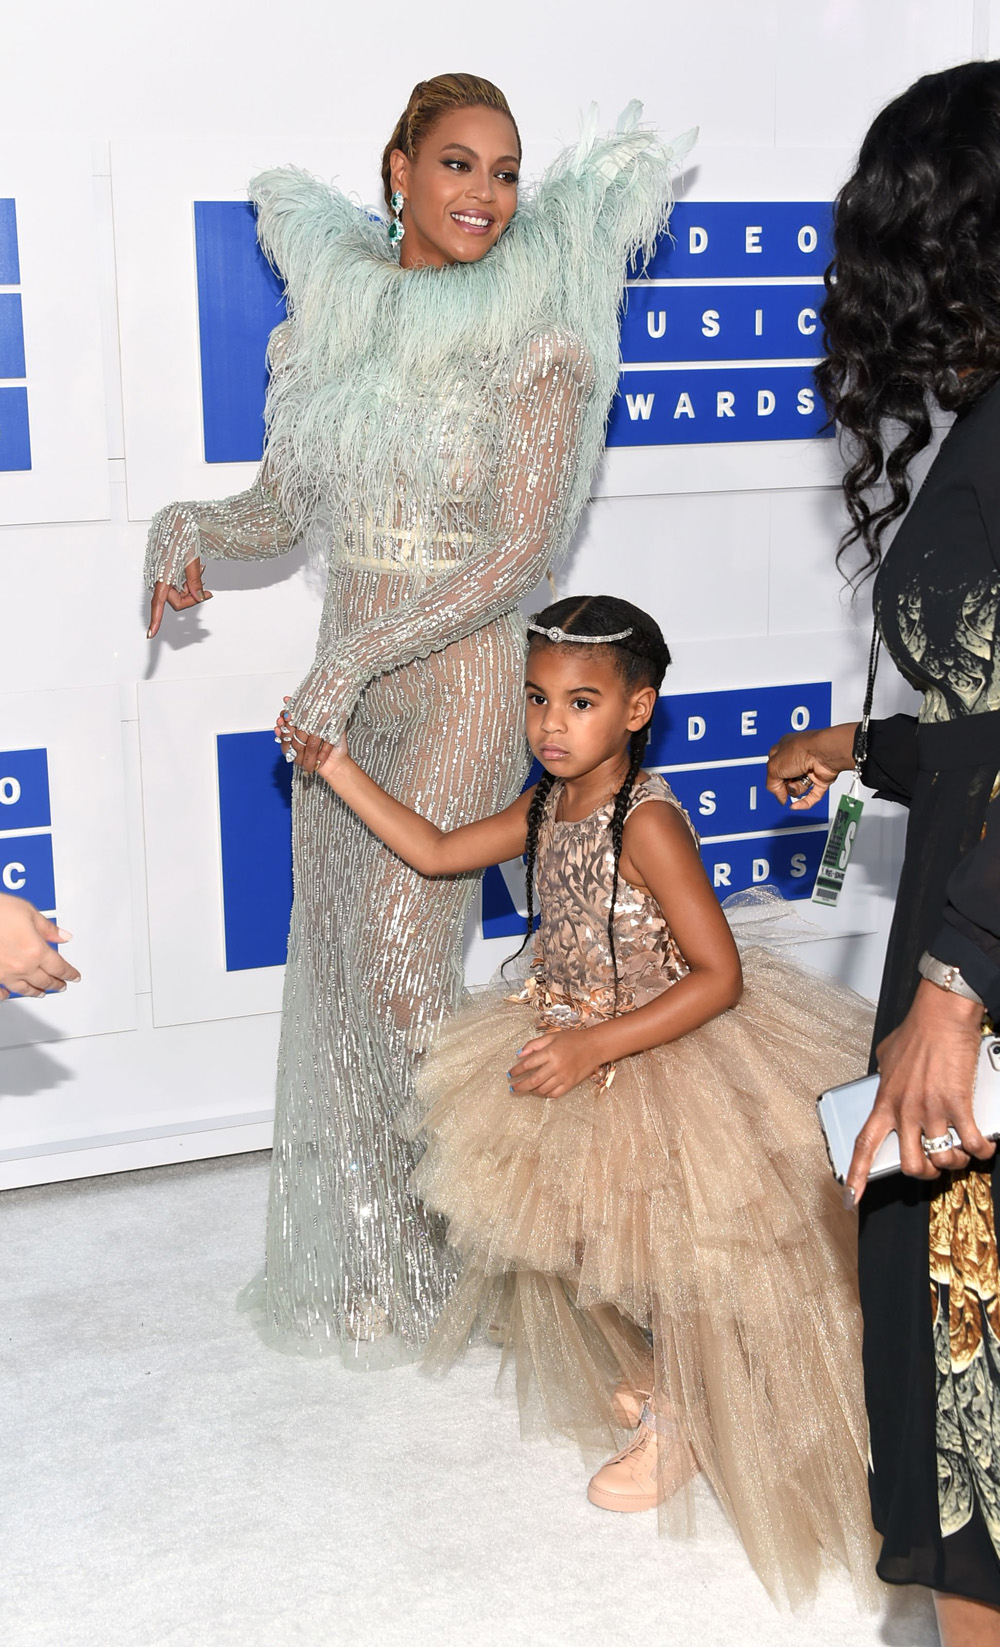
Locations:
(169, 1480)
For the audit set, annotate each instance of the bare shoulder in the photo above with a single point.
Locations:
(659, 821)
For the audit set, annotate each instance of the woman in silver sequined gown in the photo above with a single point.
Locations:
(440, 425)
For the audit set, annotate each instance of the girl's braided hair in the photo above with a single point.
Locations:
(641, 660)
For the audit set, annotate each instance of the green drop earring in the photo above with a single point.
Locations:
(396, 230)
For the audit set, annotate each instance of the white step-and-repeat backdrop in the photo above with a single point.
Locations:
(141, 797)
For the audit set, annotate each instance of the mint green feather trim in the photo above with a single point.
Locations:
(387, 369)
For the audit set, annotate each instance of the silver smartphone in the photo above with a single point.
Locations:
(844, 1110)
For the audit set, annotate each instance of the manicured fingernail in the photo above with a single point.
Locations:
(510, 1090)
(149, 632)
(64, 937)
(289, 756)
(850, 1197)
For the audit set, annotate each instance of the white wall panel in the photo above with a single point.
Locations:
(51, 182)
(178, 725)
(134, 1100)
(155, 183)
(654, 547)
(81, 732)
(838, 61)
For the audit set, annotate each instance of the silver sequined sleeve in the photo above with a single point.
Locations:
(549, 391)
(248, 526)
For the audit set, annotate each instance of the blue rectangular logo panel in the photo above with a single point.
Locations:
(696, 731)
(732, 800)
(15, 441)
(501, 917)
(11, 335)
(721, 323)
(732, 239)
(716, 405)
(698, 728)
(788, 861)
(255, 802)
(240, 301)
(24, 790)
(10, 270)
(26, 869)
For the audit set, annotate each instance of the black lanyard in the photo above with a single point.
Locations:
(861, 741)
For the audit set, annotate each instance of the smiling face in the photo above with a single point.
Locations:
(578, 714)
(460, 188)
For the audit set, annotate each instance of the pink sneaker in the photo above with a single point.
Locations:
(635, 1479)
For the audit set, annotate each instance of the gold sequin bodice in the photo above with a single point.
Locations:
(573, 967)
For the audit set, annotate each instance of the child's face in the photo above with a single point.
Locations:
(577, 713)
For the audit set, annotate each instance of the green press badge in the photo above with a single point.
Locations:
(837, 852)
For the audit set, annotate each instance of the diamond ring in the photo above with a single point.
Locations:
(947, 1140)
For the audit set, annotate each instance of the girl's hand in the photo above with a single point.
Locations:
(809, 761)
(180, 599)
(307, 749)
(552, 1064)
(928, 1071)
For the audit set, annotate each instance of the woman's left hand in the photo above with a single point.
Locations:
(552, 1064)
(927, 1070)
(307, 748)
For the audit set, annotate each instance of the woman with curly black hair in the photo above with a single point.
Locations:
(912, 317)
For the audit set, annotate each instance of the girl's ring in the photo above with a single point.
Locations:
(947, 1140)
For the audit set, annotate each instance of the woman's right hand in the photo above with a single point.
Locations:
(801, 766)
(164, 594)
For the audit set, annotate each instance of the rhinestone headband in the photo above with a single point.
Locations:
(556, 634)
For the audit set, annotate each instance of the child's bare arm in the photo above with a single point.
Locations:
(427, 849)
(660, 854)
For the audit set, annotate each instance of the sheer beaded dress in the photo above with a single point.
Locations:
(444, 424)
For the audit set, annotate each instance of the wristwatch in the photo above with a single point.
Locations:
(946, 977)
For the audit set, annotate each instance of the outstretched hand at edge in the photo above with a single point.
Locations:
(164, 595)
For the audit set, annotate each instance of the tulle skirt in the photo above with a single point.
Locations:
(681, 1229)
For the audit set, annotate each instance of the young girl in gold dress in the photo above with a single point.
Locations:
(626, 1148)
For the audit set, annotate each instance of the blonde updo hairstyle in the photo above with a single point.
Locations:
(428, 101)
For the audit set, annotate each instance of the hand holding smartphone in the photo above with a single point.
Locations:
(844, 1110)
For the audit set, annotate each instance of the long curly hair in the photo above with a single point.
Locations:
(913, 294)
(641, 659)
